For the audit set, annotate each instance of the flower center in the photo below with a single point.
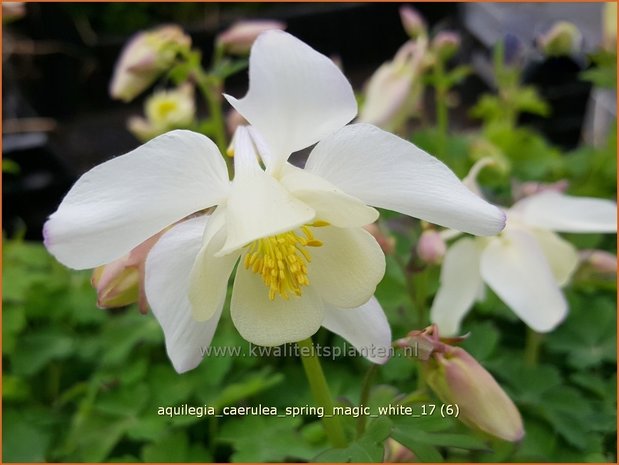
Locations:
(282, 260)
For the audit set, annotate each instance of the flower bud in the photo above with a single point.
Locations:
(563, 39)
(233, 120)
(525, 189)
(412, 22)
(397, 453)
(457, 378)
(394, 90)
(238, 39)
(600, 261)
(144, 58)
(165, 110)
(445, 44)
(431, 247)
(12, 11)
(121, 282)
(116, 284)
(387, 243)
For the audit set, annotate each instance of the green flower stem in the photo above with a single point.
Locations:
(320, 391)
(210, 87)
(368, 380)
(420, 395)
(532, 347)
(420, 292)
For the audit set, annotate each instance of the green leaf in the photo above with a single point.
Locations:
(249, 387)
(266, 439)
(368, 448)
(37, 349)
(22, 440)
(227, 67)
(172, 448)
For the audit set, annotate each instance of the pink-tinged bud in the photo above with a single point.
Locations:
(233, 120)
(387, 243)
(116, 284)
(121, 282)
(563, 39)
(238, 38)
(431, 247)
(525, 189)
(457, 378)
(445, 44)
(600, 261)
(397, 453)
(393, 92)
(12, 11)
(145, 57)
(412, 22)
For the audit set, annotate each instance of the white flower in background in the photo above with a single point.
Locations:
(394, 89)
(526, 265)
(304, 259)
(238, 38)
(165, 110)
(144, 58)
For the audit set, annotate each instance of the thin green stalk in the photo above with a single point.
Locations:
(419, 284)
(366, 387)
(532, 347)
(320, 391)
(210, 88)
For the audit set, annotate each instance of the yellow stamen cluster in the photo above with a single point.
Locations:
(282, 260)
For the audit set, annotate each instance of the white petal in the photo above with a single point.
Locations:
(210, 274)
(122, 202)
(272, 322)
(365, 327)
(561, 255)
(346, 269)
(330, 203)
(386, 171)
(564, 213)
(460, 286)
(296, 95)
(515, 268)
(258, 206)
(168, 267)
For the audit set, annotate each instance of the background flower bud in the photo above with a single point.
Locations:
(525, 189)
(397, 453)
(445, 44)
(600, 260)
(563, 39)
(413, 23)
(457, 378)
(387, 243)
(431, 247)
(393, 91)
(144, 58)
(238, 38)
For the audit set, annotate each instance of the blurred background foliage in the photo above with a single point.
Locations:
(83, 384)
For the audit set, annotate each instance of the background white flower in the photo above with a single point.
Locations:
(526, 265)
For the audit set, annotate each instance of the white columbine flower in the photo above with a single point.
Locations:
(304, 259)
(526, 265)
